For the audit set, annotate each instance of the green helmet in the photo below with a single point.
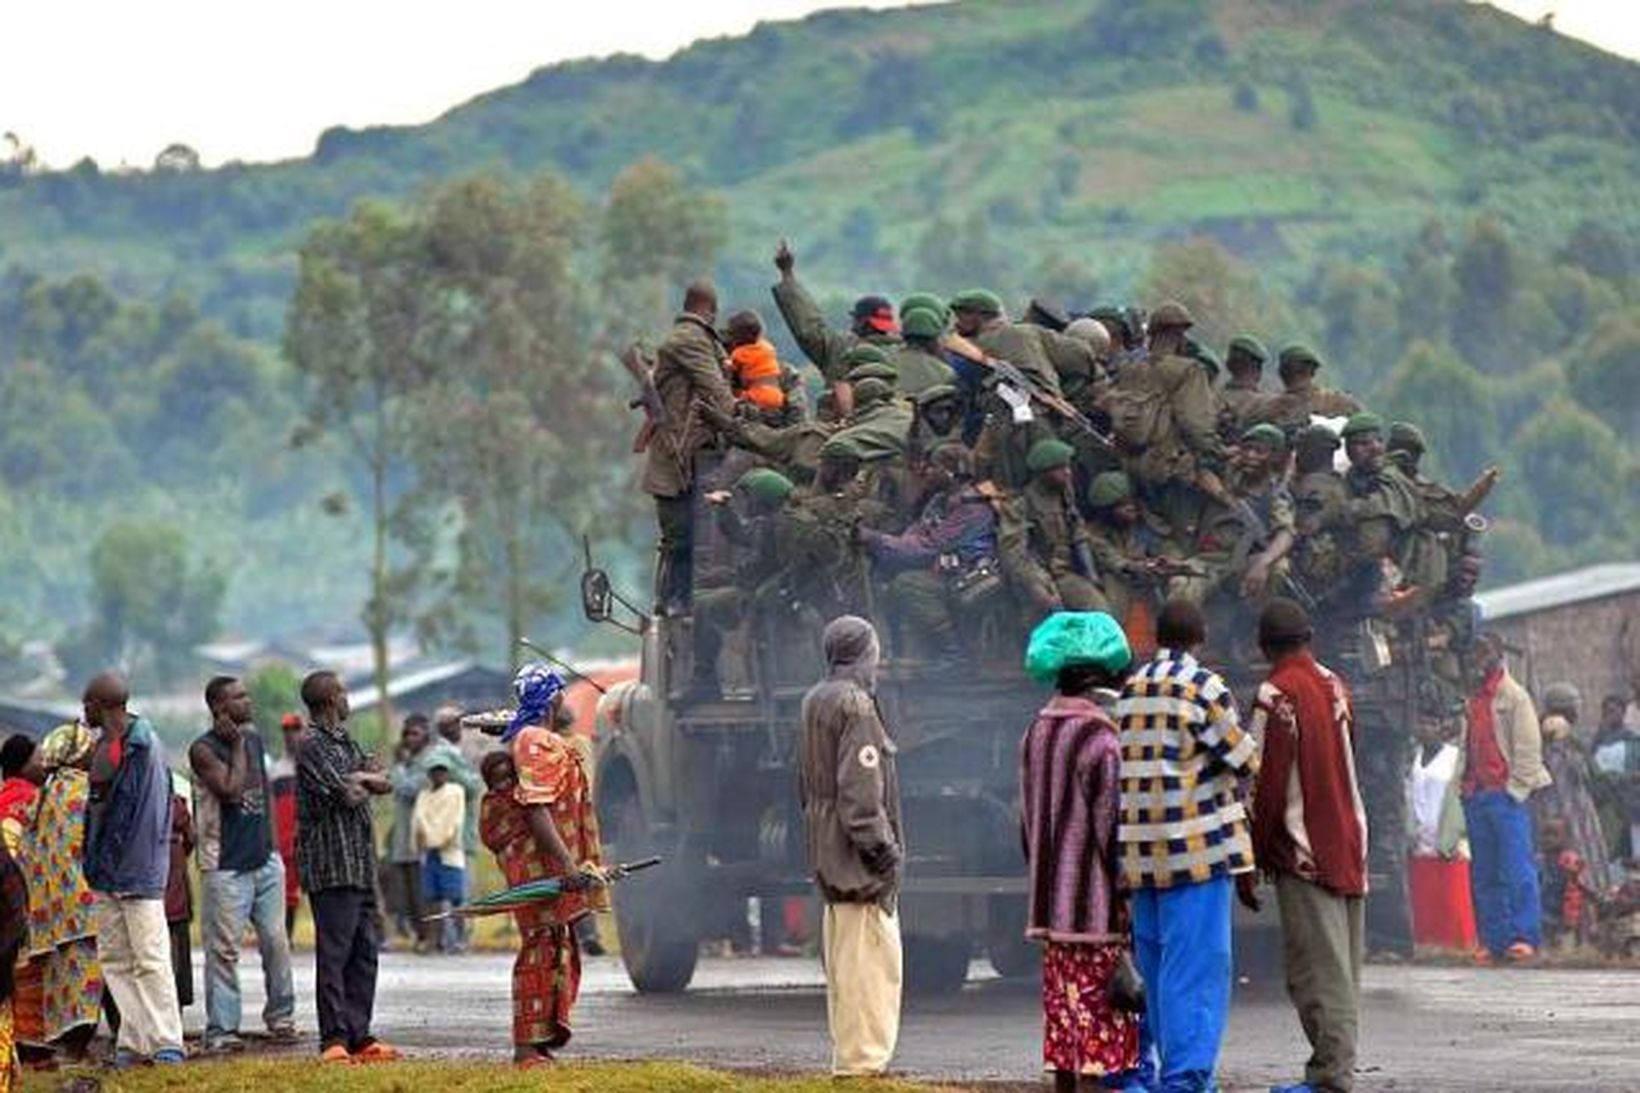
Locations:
(871, 390)
(1359, 424)
(1047, 453)
(1171, 315)
(1298, 356)
(1109, 489)
(978, 300)
(765, 486)
(873, 370)
(925, 300)
(922, 322)
(1248, 348)
(1265, 433)
(866, 353)
(1405, 437)
(940, 392)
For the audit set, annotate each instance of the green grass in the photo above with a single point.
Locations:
(268, 1075)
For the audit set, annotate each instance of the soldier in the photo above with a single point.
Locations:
(920, 364)
(1241, 398)
(1132, 555)
(1445, 527)
(1012, 423)
(1319, 498)
(698, 403)
(1163, 417)
(946, 560)
(1243, 545)
(872, 321)
(1381, 508)
(785, 559)
(1045, 548)
(1300, 398)
(938, 419)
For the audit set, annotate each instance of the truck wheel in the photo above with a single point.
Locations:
(1010, 954)
(1014, 958)
(935, 965)
(658, 944)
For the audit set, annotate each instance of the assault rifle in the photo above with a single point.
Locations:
(1010, 373)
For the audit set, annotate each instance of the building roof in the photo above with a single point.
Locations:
(366, 696)
(1590, 583)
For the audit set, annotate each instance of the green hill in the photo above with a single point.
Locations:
(1092, 129)
(1439, 195)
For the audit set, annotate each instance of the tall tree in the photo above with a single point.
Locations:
(657, 234)
(520, 433)
(353, 330)
(150, 604)
(1224, 295)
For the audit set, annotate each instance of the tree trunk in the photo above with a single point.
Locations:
(378, 617)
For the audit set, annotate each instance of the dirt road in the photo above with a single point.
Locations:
(1425, 1029)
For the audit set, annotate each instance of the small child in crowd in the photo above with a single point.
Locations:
(754, 368)
(440, 812)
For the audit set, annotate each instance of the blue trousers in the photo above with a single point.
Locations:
(1503, 873)
(1181, 942)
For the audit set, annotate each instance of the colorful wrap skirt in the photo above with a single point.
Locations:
(1081, 1032)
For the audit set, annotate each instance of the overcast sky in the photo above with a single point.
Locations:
(120, 79)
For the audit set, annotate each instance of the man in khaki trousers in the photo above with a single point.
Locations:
(851, 809)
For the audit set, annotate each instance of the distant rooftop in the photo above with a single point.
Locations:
(1592, 583)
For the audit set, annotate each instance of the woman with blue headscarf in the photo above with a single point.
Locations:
(539, 821)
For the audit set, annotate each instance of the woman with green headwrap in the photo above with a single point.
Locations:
(62, 938)
(1070, 783)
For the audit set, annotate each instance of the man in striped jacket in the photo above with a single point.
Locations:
(1184, 843)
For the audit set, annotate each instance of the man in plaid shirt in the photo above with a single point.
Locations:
(1183, 838)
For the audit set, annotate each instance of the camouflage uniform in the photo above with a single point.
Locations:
(694, 390)
(1044, 545)
(817, 339)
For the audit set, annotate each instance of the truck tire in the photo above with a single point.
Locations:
(658, 945)
(1010, 954)
(935, 966)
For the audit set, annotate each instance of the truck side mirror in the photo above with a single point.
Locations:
(596, 596)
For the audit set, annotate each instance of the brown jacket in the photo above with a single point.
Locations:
(692, 385)
(847, 780)
(1520, 737)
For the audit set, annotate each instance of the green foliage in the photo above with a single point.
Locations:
(1450, 402)
(1455, 178)
(150, 603)
(275, 691)
(1577, 472)
(1604, 371)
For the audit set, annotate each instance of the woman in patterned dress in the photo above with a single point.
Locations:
(62, 938)
(538, 820)
(1069, 782)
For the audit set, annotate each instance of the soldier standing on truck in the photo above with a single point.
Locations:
(851, 807)
(697, 402)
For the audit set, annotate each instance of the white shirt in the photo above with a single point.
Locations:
(1427, 788)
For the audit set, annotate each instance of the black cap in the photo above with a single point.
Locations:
(1283, 621)
(867, 306)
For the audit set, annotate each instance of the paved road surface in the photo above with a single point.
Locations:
(1455, 1030)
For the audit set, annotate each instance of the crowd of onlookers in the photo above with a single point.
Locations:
(1152, 796)
(101, 905)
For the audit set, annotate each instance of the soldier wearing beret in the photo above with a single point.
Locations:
(1301, 398)
(700, 406)
(1242, 396)
(1045, 547)
(871, 321)
(1164, 418)
(1242, 547)
(920, 362)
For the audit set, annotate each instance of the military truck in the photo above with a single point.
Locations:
(710, 785)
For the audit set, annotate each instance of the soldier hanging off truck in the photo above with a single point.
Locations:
(962, 475)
